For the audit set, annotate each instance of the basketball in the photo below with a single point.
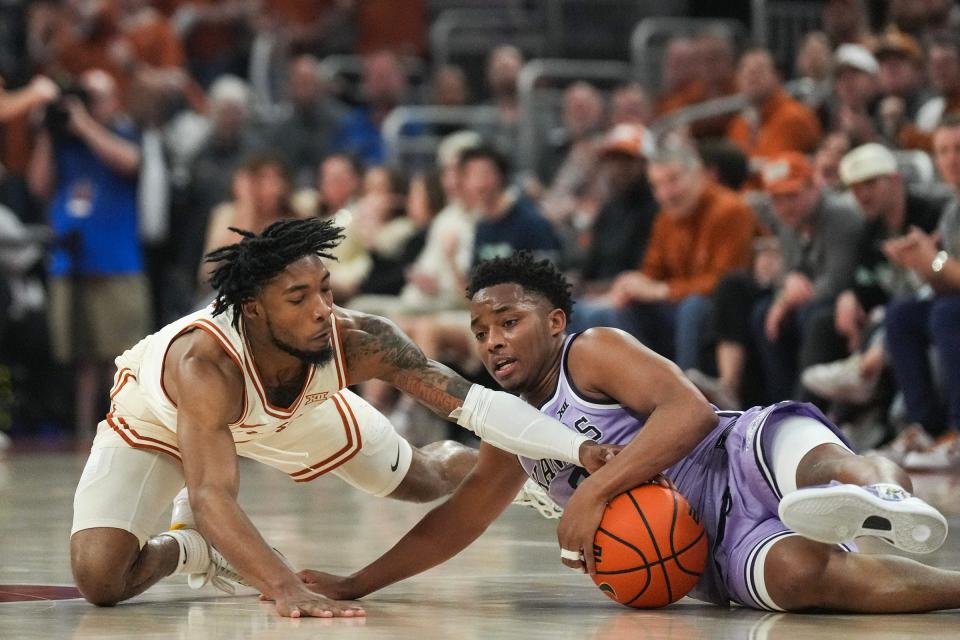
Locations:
(650, 548)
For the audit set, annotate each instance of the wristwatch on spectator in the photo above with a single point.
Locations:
(938, 261)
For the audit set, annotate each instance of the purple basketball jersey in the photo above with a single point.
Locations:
(726, 478)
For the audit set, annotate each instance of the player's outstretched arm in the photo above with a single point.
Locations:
(440, 535)
(678, 419)
(377, 348)
(208, 391)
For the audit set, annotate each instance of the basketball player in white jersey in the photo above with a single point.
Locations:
(262, 374)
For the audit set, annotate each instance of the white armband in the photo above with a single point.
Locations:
(509, 423)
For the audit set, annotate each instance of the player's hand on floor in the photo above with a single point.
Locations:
(300, 601)
(593, 455)
(578, 526)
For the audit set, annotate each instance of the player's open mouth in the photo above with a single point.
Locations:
(502, 367)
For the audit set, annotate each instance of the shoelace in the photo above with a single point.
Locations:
(220, 574)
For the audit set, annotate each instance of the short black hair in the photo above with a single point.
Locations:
(727, 159)
(245, 267)
(491, 154)
(539, 276)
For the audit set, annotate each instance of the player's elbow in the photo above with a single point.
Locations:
(704, 417)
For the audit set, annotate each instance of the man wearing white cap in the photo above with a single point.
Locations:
(857, 90)
(870, 172)
(917, 326)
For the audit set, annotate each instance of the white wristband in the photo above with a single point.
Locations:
(509, 423)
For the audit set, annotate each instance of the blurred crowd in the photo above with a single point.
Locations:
(803, 245)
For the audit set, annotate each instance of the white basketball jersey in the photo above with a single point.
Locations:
(144, 416)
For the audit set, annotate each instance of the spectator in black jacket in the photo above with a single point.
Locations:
(890, 211)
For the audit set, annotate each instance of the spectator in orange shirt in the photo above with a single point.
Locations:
(698, 70)
(213, 33)
(120, 37)
(702, 231)
(776, 122)
(718, 71)
(679, 76)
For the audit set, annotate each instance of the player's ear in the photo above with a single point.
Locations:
(557, 320)
(251, 308)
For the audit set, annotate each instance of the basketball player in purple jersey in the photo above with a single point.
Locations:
(777, 488)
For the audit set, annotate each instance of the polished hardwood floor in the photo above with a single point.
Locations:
(507, 585)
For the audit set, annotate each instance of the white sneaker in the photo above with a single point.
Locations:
(838, 513)
(220, 573)
(202, 563)
(533, 495)
(945, 454)
(912, 438)
(840, 381)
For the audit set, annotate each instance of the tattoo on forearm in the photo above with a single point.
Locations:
(433, 384)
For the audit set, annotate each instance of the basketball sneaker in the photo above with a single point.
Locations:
(841, 381)
(944, 454)
(532, 495)
(913, 438)
(219, 572)
(202, 563)
(836, 513)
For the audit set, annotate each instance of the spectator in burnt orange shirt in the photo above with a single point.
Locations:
(679, 75)
(703, 230)
(775, 122)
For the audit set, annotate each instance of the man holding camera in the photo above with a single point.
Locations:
(85, 165)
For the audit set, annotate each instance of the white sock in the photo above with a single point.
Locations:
(194, 552)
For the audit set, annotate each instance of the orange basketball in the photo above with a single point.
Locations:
(650, 548)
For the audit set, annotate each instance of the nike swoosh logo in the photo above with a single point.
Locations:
(396, 462)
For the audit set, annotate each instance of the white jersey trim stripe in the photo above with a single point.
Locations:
(134, 439)
(270, 409)
(217, 334)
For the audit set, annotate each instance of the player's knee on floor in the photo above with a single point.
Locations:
(796, 573)
(100, 560)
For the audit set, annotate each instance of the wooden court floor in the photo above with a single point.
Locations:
(507, 585)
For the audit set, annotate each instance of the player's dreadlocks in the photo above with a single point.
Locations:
(540, 276)
(244, 268)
